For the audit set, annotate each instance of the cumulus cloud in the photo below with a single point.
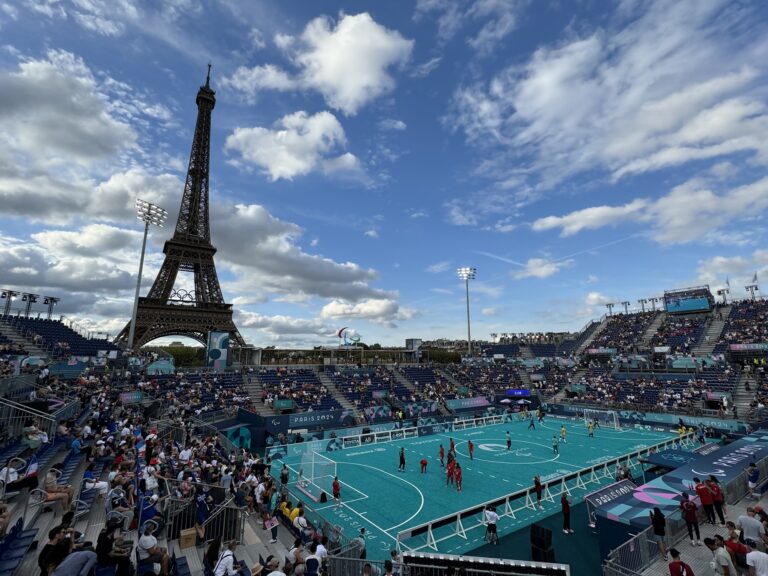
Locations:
(299, 143)
(541, 268)
(439, 267)
(488, 311)
(392, 124)
(379, 311)
(348, 62)
(738, 270)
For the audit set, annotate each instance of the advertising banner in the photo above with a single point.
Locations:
(282, 404)
(374, 413)
(218, 346)
(379, 394)
(601, 351)
(131, 397)
(415, 409)
(467, 403)
(518, 393)
(761, 347)
(310, 420)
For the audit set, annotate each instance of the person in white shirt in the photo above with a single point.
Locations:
(756, 560)
(185, 455)
(272, 564)
(225, 565)
(322, 550)
(150, 552)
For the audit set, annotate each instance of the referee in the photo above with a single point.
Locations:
(491, 518)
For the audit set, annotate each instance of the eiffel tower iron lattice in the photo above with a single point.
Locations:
(167, 311)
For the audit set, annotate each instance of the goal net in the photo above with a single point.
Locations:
(602, 418)
(316, 474)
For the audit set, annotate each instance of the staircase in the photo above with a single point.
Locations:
(586, 344)
(650, 332)
(254, 387)
(403, 380)
(17, 338)
(526, 353)
(577, 376)
(742, 398)
(712, 334)
(335, 392)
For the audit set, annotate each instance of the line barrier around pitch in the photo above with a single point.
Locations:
(507, 506)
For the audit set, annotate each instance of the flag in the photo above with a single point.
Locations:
(727, 283)
(32, 467)
(754, 278)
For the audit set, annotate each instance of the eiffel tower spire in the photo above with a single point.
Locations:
(170, 311)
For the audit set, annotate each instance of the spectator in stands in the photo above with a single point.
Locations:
(113, 550)
(31, 436)
(78, 447)
(225, 564)
(64, 494)
(78, 563)
(149, 512)
(272, 565)
(150, 553)
(58, 547)
(296, 557)
(13, 482)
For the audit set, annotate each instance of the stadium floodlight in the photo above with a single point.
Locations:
(610, 306)
(10, 296)
(643, 302)
(752, 288)
(724, 293)
(149, 214)
(626, 306)
(50, 301)
(29, 299)
(653, 302)
(466, 273)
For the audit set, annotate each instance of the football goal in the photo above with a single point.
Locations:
(316, 474)
(602, 418)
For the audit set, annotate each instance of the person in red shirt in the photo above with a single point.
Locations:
(452, 447)
(457, 475)
(705, 497)
(691, 521)
(449, 472)
(717, 498)
(471, 448)
(736, 549)
(442, 455)
(537, 486)
(677, 567)
(423, 465)
(336, 491)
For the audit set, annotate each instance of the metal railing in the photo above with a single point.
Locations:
(13, 418)
(169, 430)
(640, 551)
(226, 519)
(457, 524)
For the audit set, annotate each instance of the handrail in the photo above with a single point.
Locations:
(219, 509)
(4, 481)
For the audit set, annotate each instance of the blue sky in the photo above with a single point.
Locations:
(575, 153)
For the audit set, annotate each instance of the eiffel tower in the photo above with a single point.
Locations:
(167, 311)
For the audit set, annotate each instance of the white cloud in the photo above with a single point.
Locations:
(349, 63)
(299, 144)
(739, 270)
(497, 18)
(439, 267)
(488, 311)
(378, 311)
(592, 279)
(279, 325)
(371, 233)
(666, 84)
(597, 299)
(689, 212)
(426, 68)
(392, 124)
(257, 39)
(541, 268)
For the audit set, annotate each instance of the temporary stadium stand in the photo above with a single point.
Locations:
(55, 333)
(624, 330)
(358, 384)
(14, 546)
(300, 385)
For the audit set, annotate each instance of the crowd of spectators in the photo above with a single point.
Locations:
(681, 334)
(623, 331)
(369, 386)
(747, 323)
(302, 386)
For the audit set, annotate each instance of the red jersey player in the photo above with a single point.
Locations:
(457, 475)
(449, 472)
(423, 465)
(442, 455)
(336, 491)
(537, 486)
(452, 447)
(471, 448)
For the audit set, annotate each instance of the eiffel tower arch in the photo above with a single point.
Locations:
(170, 311)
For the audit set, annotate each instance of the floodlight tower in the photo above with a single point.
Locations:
(467, 274)
(149, 214)
(29, 299)
(653, 302)
(50, 301)
(626, 306)
(643, 302)
(10, 296)
(610, 306)
(724, 293)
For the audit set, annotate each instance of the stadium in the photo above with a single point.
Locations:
(144, 431)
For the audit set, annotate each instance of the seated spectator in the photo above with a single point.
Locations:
(90, 481)
(112, 550)
(65, 494)
(14, 481)
(53, 553)
(150, 553)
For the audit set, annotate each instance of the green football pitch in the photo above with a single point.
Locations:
(376, 496)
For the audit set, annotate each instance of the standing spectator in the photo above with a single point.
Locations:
(751, 527)
(360, 543)
(659, 523)
(565, 505)
(225, 565)
(718, 499)
(705, 497)
(756, 560)
(721, 560)
(677, 567)
(753, 477)
(689, 509)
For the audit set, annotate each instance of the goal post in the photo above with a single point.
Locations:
(315, 475)
(603, 418)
